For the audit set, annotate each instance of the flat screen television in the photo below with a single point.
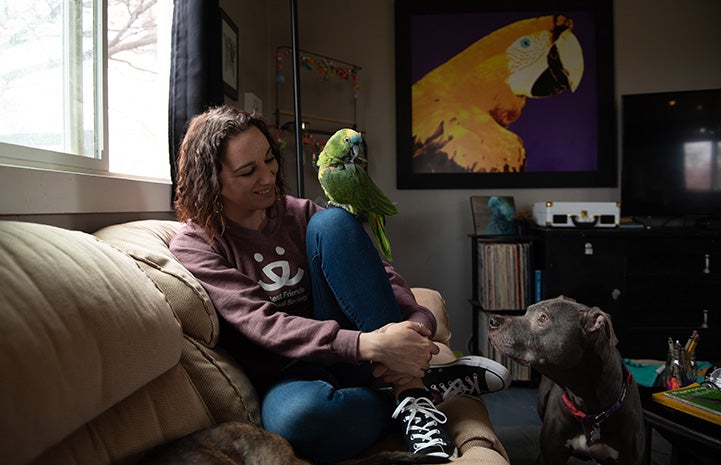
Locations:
(671, 157)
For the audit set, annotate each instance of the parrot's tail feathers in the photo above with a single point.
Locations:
(377, 224)
(394, 210)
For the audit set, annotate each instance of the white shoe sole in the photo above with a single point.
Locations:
(496, 376)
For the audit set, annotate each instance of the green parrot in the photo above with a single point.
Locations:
(342, 175)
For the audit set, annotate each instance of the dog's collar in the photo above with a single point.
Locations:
(597, 418)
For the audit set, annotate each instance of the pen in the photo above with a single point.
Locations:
(692, 343)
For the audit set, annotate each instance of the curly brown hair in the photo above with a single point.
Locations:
(198, 190)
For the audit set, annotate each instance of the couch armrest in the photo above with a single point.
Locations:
(433, 301)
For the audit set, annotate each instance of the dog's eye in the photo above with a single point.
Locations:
(542, 318)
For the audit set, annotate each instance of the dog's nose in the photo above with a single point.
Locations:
(494, 321)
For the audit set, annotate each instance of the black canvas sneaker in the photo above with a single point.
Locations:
(470, 376)
(422, 429)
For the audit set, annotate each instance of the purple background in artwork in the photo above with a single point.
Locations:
(560, 132)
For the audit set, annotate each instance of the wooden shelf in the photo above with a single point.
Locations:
(502, 267)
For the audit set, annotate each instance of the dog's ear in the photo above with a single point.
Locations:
(599, 322)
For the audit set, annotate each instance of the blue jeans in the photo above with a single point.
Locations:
(328, 413)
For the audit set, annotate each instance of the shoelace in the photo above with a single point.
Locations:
(459, 387)
(413, 406)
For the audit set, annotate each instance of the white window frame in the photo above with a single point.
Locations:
(98, 162)
(36, 181)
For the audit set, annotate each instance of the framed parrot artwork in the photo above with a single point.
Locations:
(505, 93)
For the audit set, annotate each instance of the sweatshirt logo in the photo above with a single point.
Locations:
(278, 272)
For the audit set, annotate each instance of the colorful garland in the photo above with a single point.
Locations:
(316, 144)
(324, 66)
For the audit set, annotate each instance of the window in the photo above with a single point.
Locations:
(139, 33)
(64, 61)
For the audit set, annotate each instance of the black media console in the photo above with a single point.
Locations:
(655, 282)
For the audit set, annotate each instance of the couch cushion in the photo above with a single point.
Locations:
(164, 409)
(470, 427)
(82, 328)
(147, 242)
(226, 390)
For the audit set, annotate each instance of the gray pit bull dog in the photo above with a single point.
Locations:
(588, 402)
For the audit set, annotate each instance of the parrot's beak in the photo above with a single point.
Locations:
(355, 152)
(554, 79)
(571, 56)
(560, 69)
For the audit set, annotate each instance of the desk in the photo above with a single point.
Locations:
(694, 441)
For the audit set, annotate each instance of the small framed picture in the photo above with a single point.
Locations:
(229, 51)
(493, 215)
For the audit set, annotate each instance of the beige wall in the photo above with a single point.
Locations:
(253, 19)
(660, 45)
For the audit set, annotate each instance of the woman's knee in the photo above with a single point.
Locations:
(333, 219)
(332, 229)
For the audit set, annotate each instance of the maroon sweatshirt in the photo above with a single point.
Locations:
(260, 285)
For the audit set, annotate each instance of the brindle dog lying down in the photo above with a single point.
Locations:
(238, 443)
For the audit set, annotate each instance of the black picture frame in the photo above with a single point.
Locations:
(569, 138)
(229, 55)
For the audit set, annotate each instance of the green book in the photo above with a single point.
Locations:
(697, 400)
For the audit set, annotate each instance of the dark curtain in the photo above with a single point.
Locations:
(196, 82)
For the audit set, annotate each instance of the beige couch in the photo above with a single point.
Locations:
(108, 349)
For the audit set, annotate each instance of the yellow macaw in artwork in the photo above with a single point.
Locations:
(463, 107)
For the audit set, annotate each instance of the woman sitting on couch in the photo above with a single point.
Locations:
(306, 302)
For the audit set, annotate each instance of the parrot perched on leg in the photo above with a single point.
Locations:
(341, 173)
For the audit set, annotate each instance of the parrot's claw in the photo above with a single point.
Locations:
(331, 204)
